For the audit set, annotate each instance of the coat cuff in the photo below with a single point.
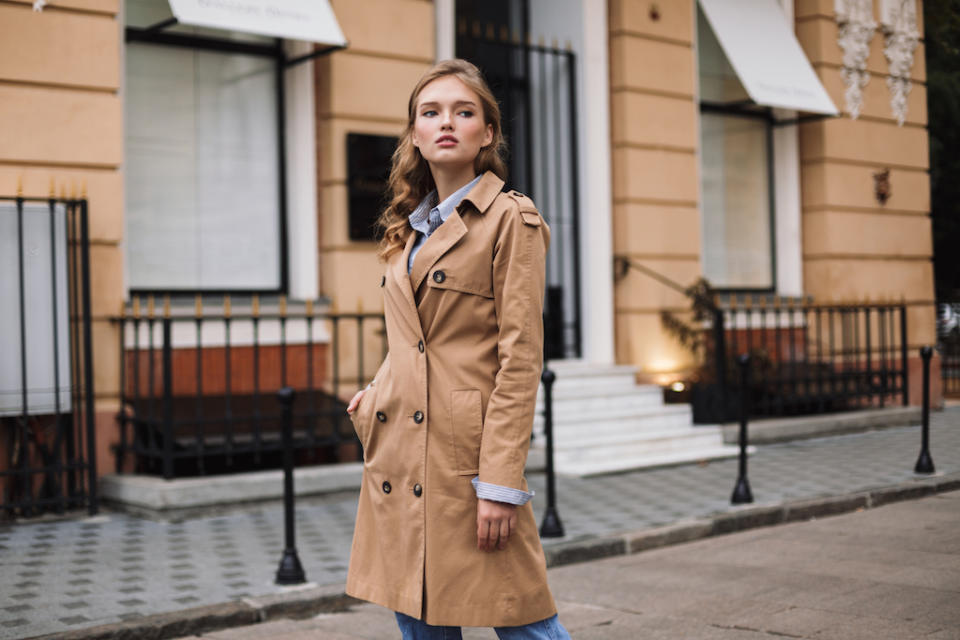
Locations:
(495, 492)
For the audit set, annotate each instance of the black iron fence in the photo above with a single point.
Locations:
(948, 346)
(806, 358)
(199, 383)
(47, 434)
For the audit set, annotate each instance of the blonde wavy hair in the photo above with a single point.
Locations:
(410, 177)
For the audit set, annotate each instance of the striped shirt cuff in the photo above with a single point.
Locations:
(495, 492)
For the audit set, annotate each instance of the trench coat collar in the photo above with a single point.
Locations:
(483, 193)
(398, 271)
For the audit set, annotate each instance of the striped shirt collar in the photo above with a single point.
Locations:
(419, 219)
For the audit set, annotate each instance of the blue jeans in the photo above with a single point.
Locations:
(549, 629)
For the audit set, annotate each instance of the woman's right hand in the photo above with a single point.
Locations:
(355, 401)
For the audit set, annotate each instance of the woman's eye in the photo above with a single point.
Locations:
(466, 113)
(429, 113)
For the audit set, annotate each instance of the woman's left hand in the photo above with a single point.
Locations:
(495, 522)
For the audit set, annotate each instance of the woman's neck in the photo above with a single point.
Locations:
(449, 181)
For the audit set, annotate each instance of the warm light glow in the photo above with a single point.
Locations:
(678, 386)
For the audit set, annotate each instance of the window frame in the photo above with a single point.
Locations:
(749, 110)
(153, 35)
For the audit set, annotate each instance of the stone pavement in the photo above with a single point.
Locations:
(888, 573)
(81, 573)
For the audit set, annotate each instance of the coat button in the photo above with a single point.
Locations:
(417, 490)
(420, 346)
(386, 487)
(381, 416)
(418, 417)
(383, 280)
(439, 276)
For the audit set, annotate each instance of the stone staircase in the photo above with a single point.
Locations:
(604, 422)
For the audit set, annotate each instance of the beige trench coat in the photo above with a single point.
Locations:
(454, 399)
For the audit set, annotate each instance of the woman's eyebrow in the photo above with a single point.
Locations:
(458, 103)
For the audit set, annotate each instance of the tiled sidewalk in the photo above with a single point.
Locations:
(76, 573)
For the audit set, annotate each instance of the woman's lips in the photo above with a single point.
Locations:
(446, 141)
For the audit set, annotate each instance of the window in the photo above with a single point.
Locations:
(736, 174)
(202, 159)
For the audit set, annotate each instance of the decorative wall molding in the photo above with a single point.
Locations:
(899, 25)
(856, 23)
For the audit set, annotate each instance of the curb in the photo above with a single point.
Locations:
(309, 601)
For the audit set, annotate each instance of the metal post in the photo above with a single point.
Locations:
(925, 462)
(290, 570)
(167, 360)
(741, 492)
(89, 395)
(551, 527)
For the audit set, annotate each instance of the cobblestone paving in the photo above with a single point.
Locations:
(82, 572)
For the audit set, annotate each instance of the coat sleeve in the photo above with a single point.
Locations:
(518, 287)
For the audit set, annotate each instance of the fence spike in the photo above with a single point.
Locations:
(748, 300)
(255, 305)
(504, 33)
(166, 305)
(516, 37)
(555, 44)
(283, 305)
(462, 26)
(226, 305)
(150, 306)
(53, 188)
(541, 41)
(83, 188)
(73, 189)
(123, 309)
(734, 300)
(136, 306)
(20, 186)
(359, 305)
(569, 46)
(476, 28)
(198, 305)
(63, 191)
(309, 307)
(490, 31)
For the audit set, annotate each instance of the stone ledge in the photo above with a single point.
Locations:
(153, 496)
(770, 431)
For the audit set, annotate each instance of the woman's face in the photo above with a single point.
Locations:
(449, 129)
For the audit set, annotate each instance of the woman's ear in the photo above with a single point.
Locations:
(488, 137)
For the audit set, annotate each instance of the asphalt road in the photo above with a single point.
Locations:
(891, 572)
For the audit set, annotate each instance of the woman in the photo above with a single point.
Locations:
(445, 535)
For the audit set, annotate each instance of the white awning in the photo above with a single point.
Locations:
(309, 20)
(758, 40)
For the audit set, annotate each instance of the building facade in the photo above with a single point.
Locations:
(215, 172)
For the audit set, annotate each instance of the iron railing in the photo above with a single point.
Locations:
(47, 428)
(807, 358)
(199, 384)
(948, 346)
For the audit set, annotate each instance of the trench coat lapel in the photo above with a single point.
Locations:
(398, 271)
(440, 241)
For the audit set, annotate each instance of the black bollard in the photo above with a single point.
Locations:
(551, 527)
(290, 570)
(925, 462)
(741, 492)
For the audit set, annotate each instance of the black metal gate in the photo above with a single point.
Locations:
(535, 85)
(47, 435)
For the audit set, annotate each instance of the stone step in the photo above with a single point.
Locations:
(625, 462)
(575, 392)
(611, 443)
(630, 417)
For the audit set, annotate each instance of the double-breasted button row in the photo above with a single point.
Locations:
(386, 487)
(418, 416)
(420, 346)
(417, 490)
(439, 276)
(381, 416)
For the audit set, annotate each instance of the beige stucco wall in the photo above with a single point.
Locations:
(61, 127)
(655, 176)
(853, 246)
(363, 89)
